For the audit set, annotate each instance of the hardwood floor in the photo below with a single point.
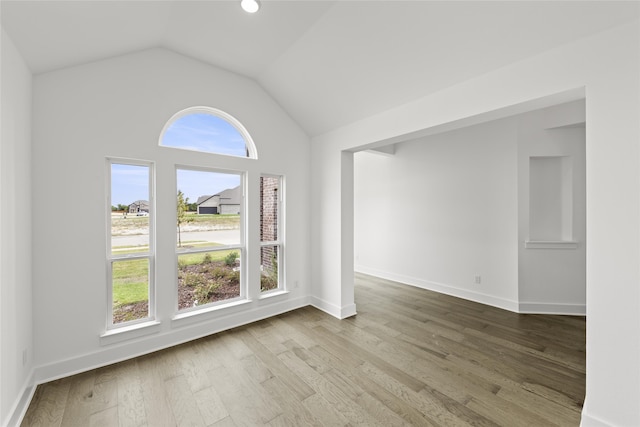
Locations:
(410, 357)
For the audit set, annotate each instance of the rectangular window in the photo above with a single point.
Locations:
(210, 240)
(130, 252)
(270, 233)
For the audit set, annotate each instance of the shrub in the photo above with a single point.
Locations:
(233, 276)
(207, 259)
(269, 279)
(268, 282)
(205, 291)
(193, 280)
(231, 258)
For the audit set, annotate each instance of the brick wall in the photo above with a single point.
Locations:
(268, 220)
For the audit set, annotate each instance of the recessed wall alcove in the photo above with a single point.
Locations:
(550, 198)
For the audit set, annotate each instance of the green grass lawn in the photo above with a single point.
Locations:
(130, 281)
(191, 259)
(131, 277)
(232, 221)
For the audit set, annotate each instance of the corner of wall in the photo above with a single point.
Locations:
(20, 406)
(16, 288)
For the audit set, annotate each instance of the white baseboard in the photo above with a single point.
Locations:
(589, 421)
(129, 349)
(516, 307)
(20, 406)
(332, 309)
(108, 355)
(442, 288)
(552, 308)
(348, 311)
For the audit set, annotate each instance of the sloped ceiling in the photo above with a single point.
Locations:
(328, 63)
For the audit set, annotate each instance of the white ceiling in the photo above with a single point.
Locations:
(328, 63)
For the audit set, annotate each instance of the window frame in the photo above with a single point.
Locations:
(150, 255)
(240, 247)
(280, 241)
(252, 152)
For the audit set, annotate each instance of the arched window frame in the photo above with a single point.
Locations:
(252, 152)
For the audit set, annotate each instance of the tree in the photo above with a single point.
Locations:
(182, 206)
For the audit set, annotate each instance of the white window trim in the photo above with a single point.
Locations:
(241, 247)
(150, 255)
(251, 146)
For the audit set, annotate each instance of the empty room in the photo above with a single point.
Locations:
(220, 213)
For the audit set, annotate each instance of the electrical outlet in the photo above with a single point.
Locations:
(478, 279)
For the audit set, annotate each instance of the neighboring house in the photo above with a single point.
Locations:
(225, 202)
(207, 204)
(139, 206)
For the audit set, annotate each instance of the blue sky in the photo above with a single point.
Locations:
(199, 183)
(130, 183)
(205, 132)
(201, 132)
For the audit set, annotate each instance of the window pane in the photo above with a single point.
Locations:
(129, 208)
(130, 290)
(269, 187)
(207, 133)
(208, 277)
(208, 209)
(269, 278)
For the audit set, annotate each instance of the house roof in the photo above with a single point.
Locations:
(203, 199)
(230, 196)
(328, 63)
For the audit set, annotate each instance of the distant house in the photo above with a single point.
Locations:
(225, 202)
(139, 206)
(207, 205)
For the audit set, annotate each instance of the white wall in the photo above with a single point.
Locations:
(15, 231)
(442, 210)
(607, 66)
(553, 280)
(118, 107)
(449, 207)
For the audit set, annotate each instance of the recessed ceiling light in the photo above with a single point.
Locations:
(250, 6)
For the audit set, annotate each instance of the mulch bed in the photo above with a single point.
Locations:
(226, 290)
(140, 310)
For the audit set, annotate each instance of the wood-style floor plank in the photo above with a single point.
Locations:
(48, 404)
(409, 357)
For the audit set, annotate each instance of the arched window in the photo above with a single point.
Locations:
(208, 130)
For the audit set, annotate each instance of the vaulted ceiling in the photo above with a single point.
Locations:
(328, 63)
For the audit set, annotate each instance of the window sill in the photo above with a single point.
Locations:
(270, 294)
(116, 335)
(550, 244)
(192, 314)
